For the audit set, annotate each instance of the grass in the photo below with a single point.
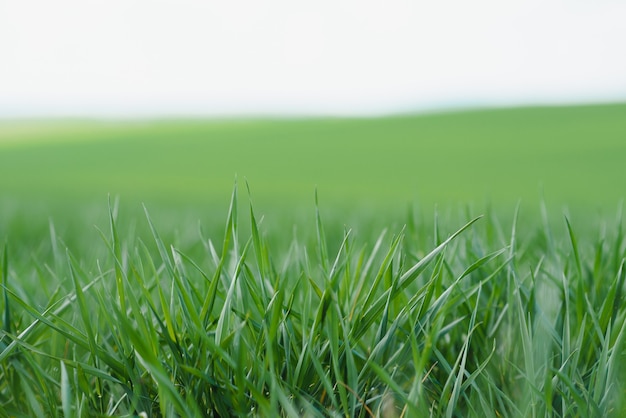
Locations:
(425, 320)
(574, 154)
(364, 304)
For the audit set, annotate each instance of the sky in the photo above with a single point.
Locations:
(128, 58)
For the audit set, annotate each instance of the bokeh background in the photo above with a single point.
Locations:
(377, 105)
(197, 57)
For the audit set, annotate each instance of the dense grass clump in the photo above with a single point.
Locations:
(425, 320)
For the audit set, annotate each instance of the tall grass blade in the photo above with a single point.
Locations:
(321, 236)
(117, 255)
(6, 316)
(66, 394)
(580, 292)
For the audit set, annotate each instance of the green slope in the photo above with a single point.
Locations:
(575, 154)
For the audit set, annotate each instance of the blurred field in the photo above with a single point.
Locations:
(574, 154)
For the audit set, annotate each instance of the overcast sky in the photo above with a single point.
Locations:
(224, 57)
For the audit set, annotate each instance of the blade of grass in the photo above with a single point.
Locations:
(117, 255)
(66, 394)
(580, 291)
(321, 236)
(6, 326)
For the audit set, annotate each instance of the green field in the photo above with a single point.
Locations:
(574, 154)
(389, 297)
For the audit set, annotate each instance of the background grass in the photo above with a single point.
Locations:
(574, 154)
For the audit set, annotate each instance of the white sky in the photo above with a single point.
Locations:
(223, 57)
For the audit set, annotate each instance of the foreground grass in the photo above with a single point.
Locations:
(466, 320)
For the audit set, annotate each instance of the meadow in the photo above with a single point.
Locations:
(574, 154)
(456, 264)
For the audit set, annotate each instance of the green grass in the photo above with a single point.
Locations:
(368, 303)
(429, 319)
(574, 154)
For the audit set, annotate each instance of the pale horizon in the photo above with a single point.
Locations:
(74, 58)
